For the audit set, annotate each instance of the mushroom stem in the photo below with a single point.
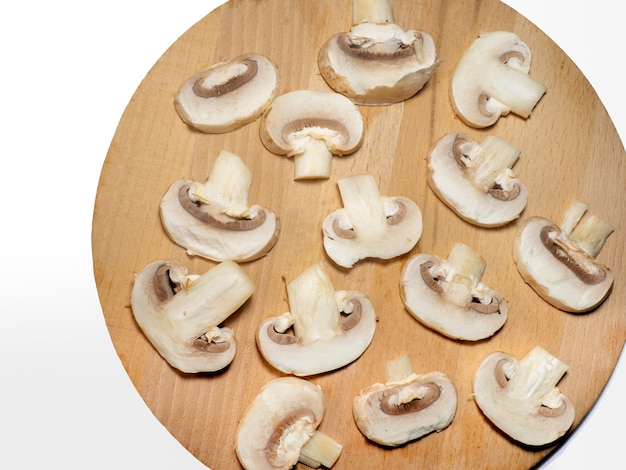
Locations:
(363, 204)
(314, 162)
(399, 368)
(320, 450)
(492, 163)
(314, 306)
(467, 268)
(371, 11)
(514, 89)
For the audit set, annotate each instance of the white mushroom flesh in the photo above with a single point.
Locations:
(476, 180)
(522, 398)
(330, 328)
(181, 314)
(491, 79)
(448, 296)
(560, 263)
(214, 220)
(370, 225)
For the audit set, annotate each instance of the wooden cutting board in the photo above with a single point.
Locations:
(570, 150)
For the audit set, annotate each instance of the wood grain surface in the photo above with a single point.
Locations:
(569, 150)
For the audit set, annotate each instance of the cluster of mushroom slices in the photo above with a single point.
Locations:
(180, 313)
(228, 95)
(324, 329)
(312, 127)
(560, 263)
(447, 295)
(370, 225)
(407, 407)
(279, 428)
(377, 62)
(521, 397)
(476, 180)
(213, 220)
(491, 80)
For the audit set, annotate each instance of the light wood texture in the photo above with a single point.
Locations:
(570, 150)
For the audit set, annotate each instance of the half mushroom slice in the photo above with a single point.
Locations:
(213, 220)
(447, 295)
(560, 263)
(491, 79)
(405, 408)
(521, 397)
(228, 95)
(312, 127)
(370, 225)
(377, 62)
(324, 329)
(181, 314)
(280, 428)
(476, 180)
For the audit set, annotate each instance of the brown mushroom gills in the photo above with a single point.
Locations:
(272, 447)
(433, 392)
(200, 89)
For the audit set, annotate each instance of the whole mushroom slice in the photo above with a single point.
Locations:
(324, 329)
(279, 428)
(377, 62)
(405, 408)
(370, 225)
(560, 263)
(476, 180)
(447, 295)
(228, 95)
(521, 397)
(213, 220)
(180, 313)
(312, 127)
(491, 79)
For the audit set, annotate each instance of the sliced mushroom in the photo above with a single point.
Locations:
(180, 313)
(312, 126)
(521, 397)
(447, 295)
(324, 329)
(407, 407)
(370, 225)
(377, 62)
(560, 263)
(213, 220)
(280, 428)
(476, 180)
(228, 95)
(491, 79)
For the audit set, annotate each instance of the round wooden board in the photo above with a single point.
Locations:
(570, 150)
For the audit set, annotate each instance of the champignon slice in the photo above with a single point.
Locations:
(521, 397)
(377, 62)
(312, 126)
(447, 295)
(560, 263)
(407, 407)
(476, 180)
(213, 220)
(491, 79)
(370, 225)
(180, 313)
(324, 329)
(228, 95)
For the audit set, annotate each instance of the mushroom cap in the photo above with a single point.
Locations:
(208, 232)
(525, 420)
(433, 310)
(555, 281)
(397, 412)
(491, 79)
(286, 353)
(385, 73)
(287, 407)
(477, 205)
(180, 314)
(320, 114)
(228, 95)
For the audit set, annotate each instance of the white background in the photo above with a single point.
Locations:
(69, 69)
